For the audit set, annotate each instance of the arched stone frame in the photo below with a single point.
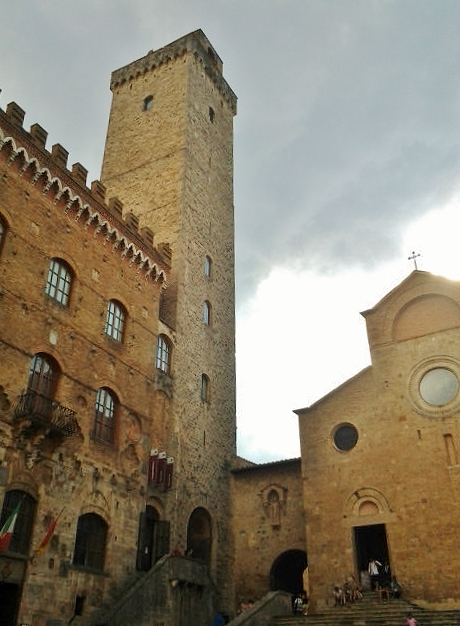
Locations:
(407, 298)
(96, 502)
(200, 535)
(24, 481)
(403, 326)
(274, 503)
(366, 497)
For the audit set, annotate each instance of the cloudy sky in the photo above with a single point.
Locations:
(347, 158)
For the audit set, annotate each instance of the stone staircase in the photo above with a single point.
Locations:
(370, 611)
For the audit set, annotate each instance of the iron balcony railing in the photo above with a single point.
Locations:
(45, 413)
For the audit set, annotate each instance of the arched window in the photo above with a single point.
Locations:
(23, 504)
(90, 542)
(115, 320)
(207, 266)
(104, 416)
(43, 373)
(163, 356)
(207, 313)
(205, 388)
(59, 281)
(41, 386)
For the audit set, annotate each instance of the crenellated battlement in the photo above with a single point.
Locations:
(37, 136)
(48, 171)
(195, 43)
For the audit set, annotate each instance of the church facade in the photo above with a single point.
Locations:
(380, 464)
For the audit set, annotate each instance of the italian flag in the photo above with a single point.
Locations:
(8, 527)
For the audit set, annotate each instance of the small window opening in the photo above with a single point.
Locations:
(207, 266)
(205, 385)
(148, 103)
(211, 114)
(207, 313)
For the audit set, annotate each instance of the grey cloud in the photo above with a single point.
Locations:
(348, 124)
(366, 139)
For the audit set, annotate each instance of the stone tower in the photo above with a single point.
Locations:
(169, 159)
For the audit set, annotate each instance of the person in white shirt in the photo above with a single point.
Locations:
(374, 573)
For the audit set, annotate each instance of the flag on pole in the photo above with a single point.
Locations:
(47, 538)
(8, 528)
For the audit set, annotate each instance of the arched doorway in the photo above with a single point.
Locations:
(153, 540)
(287, 572)
(199, 535)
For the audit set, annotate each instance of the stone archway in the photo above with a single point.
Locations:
(287, 572)
(199, 535)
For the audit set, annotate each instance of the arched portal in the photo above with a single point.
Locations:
(199, 535)
(153, 539)
(287, 572)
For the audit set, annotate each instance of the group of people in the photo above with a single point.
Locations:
(381, 578)
(349, 592)
(300, 603)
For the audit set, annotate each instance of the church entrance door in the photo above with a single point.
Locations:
(370, 543)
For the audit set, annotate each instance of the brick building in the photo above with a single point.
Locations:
(117, 356)
(380, 465)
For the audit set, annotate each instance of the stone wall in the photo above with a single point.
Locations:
(267, 522)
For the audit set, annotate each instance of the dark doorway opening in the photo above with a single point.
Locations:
(9, 603)
(153, 539)
(199, 535)
(287, 571)
(370, 543)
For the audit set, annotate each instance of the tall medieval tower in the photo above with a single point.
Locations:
(169, 159)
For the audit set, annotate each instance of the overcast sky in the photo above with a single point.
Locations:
(347, 158)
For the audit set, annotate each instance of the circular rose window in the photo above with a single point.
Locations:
(345, 437)
(434, 386)
(439, 386)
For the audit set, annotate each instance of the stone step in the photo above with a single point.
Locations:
(370, 611)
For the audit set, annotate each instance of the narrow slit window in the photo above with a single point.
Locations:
(207, 266)
(205, 388)
(148, 103)
(207, 313)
